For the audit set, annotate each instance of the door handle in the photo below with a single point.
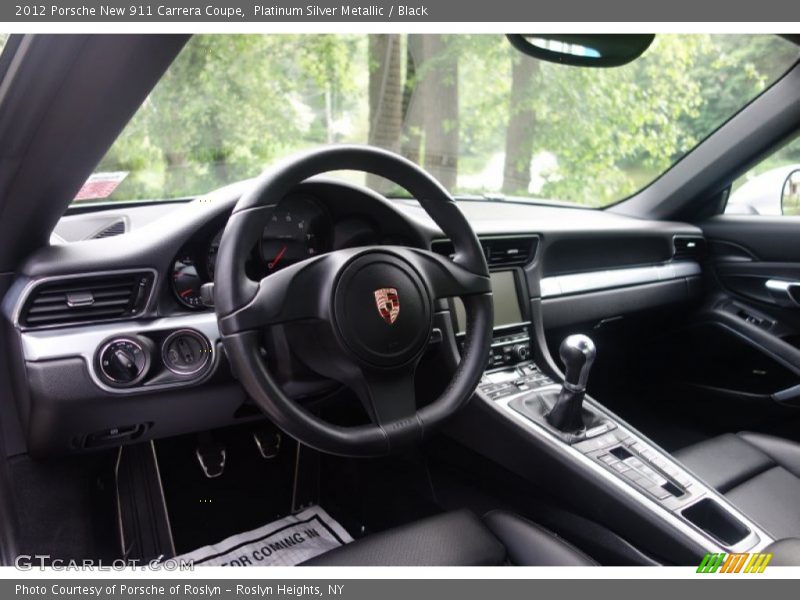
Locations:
(785, 293)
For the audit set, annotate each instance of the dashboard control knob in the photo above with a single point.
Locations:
(186, 352)
(522, 351)
(124, 361)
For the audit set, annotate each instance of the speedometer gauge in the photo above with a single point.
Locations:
(298, 229)
(186, 282)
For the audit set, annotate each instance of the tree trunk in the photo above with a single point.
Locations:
(411, 146)
(176, 178)
(385, 97)
(521, 125)
(439, 66)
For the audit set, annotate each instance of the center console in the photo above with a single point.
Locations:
(554, 410)
(628, 461)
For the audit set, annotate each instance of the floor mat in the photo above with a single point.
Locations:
(286, 542)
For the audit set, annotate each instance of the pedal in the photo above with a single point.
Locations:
(212, 459)
(268, 443)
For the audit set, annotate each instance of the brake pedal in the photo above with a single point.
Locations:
(268, 443)
(212, 459)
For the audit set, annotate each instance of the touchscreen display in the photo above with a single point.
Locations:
(506, 302)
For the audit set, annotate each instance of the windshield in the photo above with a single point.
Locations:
(480, 116)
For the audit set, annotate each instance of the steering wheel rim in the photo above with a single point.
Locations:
(362, 348)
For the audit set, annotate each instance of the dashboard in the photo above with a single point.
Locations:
(110, 341)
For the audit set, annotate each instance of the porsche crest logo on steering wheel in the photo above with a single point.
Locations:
(388, 302)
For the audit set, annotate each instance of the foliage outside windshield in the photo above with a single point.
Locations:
(474, 112)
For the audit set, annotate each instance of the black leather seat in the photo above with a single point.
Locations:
(759, 474)
(459, 538)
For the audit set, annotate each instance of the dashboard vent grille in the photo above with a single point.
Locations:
(509, 251)
(85, 299)
(116, 228)
(688, 246)
(499, 252)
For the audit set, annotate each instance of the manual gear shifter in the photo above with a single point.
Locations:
(577, 353)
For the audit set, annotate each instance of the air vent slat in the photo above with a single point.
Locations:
(111, 292)
(80, 316)
(116, 291)
(81, 285)
(85, 299)
(49, 308)
(59, 299)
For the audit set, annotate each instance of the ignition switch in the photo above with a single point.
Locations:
(186, 352)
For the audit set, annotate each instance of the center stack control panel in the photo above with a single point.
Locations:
(510, 369)
(510, 347)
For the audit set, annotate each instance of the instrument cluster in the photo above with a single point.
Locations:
(300, 227)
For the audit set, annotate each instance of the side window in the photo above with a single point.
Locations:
(772, 187)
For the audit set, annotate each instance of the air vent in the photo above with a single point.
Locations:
(499, 252)
(688, 246)
(84, 299)
(509, 251)
(116, 228)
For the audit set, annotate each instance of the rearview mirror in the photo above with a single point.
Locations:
(583, 50)
(790, 195)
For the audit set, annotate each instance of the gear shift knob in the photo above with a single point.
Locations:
(577, 353)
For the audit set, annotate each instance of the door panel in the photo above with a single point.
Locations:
(754, 267)
(773, 283)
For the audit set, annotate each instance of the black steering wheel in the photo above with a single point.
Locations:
(364, 316)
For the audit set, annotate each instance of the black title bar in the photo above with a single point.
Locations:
(460, 11)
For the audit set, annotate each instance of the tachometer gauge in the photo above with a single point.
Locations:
(186, 282)
(297, 229)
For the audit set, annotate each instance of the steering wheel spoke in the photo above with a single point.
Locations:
(445, 277)
(295, 293)
(388, 397)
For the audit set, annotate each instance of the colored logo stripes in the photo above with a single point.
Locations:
(734, 563)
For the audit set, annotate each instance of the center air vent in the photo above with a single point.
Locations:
(688, 247)
(83, 299)
(500, 251)
(509, 251)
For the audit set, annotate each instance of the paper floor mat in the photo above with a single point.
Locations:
(286, 542)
